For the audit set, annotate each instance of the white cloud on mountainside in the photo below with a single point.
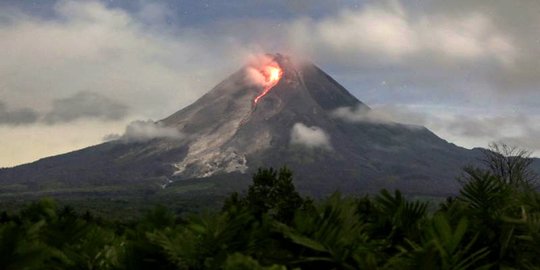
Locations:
(312, 137)
(385, 114)
(140, 131)
(467, 129)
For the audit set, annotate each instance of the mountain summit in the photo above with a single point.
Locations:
(243, 116)
(272, 112)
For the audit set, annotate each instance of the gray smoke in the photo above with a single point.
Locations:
(19, 116)
(85, 105)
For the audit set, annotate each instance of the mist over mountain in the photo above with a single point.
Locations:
(224, 136)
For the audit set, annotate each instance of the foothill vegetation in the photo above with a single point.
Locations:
(493, 223)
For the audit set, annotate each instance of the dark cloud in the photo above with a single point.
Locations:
(17, 116)
(85, 105)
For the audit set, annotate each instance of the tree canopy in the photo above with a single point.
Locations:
(494, 223)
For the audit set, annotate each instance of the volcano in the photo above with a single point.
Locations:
(257, 118)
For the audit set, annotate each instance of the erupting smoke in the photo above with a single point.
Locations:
(265, 72)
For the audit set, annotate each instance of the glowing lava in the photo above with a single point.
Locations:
(272, 74)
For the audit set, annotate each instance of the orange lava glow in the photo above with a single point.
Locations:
(272, 74)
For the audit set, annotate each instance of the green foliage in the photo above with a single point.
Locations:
(272, 193)
(333, 235)
(492, 224)
(485, 193)
(444, 247)
(206, 240)
(398, 217)
(238, 261)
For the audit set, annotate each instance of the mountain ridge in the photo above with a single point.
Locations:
(225, 132)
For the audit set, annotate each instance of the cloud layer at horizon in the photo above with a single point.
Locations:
(95, 66)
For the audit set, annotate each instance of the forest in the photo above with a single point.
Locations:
(493, 223)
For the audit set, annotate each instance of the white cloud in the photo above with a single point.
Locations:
(391, 33)
(382, 114)
(140, 131)
(92, 48)
(472, 129)
(313, 137)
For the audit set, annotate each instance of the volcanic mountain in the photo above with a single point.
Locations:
(259, 117)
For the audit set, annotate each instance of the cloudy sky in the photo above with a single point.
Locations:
(74, 72)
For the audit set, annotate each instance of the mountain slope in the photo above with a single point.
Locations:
(226, 132)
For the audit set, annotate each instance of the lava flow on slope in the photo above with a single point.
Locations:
(272, 73)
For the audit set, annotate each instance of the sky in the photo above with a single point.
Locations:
(74, 72)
